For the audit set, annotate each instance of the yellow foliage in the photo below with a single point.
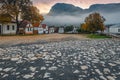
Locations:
(94, 22)
(5, 18)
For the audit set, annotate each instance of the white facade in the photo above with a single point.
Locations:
(8, 28)
(115, 29)
(61, 30)
(75, 29)
(40, 30)
(51, 30)
(29, 29)
(45, 30)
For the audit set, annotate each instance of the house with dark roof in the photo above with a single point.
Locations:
(40, 28)
(51, 29)
(8, 28)
(25, 27)
(115, 29)
(36, 28)
(45, 28)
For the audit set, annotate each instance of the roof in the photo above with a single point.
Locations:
(24, 24)
(36, 25)
(44, 26)
(115, 26)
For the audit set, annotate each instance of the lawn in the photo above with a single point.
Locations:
(97, 36)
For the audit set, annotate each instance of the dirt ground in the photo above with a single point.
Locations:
(6, 40)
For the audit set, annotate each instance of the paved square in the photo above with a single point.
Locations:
(63, 60)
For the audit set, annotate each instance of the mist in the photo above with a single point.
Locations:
(76, 20)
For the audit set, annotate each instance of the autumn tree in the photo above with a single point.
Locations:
(31, 13)
(14, 7)
(94, 22)
(4, 18)
(20, 9)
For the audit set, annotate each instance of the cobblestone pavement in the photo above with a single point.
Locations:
(66, 60)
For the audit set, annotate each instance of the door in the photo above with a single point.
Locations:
(0, 29)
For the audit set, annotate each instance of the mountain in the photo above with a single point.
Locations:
(114, 7)
(67, 14)
(69, 9)
(62, 8)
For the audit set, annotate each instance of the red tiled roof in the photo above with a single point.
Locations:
(44, 26)
(36, 24)
(24, 23)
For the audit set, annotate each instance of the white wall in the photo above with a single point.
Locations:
(114, 30)
(40, 30)
(29, 25)
(10, 31)
(61, 30)
(29, 30)
(51, 30)
(46, 30)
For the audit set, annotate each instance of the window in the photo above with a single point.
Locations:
(0, 29)
(13, 27)
(118, 30)
(8, 27)
(27, 29)
(30, 29)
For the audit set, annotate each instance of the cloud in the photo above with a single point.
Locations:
(62, 20)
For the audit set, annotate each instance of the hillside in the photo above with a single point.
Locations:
(69, 9)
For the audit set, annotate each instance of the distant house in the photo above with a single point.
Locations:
(37, 29)
(8, 28)
(51, 29)
(115, 29)
(25, 27)
(40, 29)
(45, 28)
(75, 29)
(61, 29)
(56, 29)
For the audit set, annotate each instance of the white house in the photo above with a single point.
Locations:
(51, 29)
(61, 30)
(8, 28)
(75, 29)
(40, 29)
(115, 29)
(45, 28)
(37, 29)
(25, 27)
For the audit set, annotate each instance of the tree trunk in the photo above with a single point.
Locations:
(17, 31)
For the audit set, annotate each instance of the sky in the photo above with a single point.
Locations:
(45, 5)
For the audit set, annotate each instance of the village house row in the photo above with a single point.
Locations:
(27, 28)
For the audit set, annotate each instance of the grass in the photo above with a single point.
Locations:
(97, 36)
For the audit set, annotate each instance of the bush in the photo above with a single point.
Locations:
(69, 28)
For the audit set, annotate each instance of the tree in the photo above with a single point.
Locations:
(14, 8)
(31, 13)
(94, 22)
(84, 27)
(23, 9)
(68, 28)
(5, 18)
